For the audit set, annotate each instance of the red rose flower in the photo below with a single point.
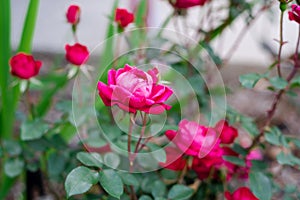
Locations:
(73, 14)
(227, 133)
(24, 66)
(77, 54)
(194, 139)
(294, 15)
(132, 89)
(184, 4)
(123, 17)
(243, 193)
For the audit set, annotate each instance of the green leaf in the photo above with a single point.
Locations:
(80, 180)
(128, 179)
(235, 160)
(90, 159)
(169, 174)
(260, 186)
(31, 130)
(273, 138)
(111, 182)
(249, 126)
(158, 189)
(56, 164)
(284, 159)
(295, 82)
(278, 82)
(11, 147)
(239, 149)
(112, 160)
(145, 197)
(140, 15)
(180, 192)
(249, 80)
(13, 167)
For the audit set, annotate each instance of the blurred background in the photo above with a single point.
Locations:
(94, 20)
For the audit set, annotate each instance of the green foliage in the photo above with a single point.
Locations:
(35, 129)
(180, 192)
(13, 167)
(235, 160)
(90, 159)
(80, 180)
(249, 80)
(278, 82)
(111, 182)
(260, 185)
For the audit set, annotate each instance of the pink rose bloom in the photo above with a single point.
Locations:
(123, 17)
(227, 133)
(194, 139)
(184, 4)
(77, 54)
(132, 89)
(243, 193)
(73, 14)
(175, 160)
(24, 66)
(294, 15)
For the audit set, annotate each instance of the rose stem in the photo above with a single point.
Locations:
(131, 121)
(280, 43)
(145, 117)
(277, 98)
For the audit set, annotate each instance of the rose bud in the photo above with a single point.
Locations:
(184, 4)
(132, 89)
(243, 193)
(123, 17)
(24, 66)
(73, 14)
(77, 54)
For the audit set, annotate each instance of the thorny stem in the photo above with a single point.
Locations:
(115, 63)
(281, 43)
(271, 111)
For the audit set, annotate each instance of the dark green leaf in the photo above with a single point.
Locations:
(31, 130)
(128, 179)
(112, 160)
(235, 160)
(278, 82)
(260, 186)
(13, 167)
(145, 197)
(111, 182)
(249, 80)
(239, 149)
(56, 164)
(90, 159)
(180, 192)
(284, 159)
(158, 189)
(80, 180)
(12, 148)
